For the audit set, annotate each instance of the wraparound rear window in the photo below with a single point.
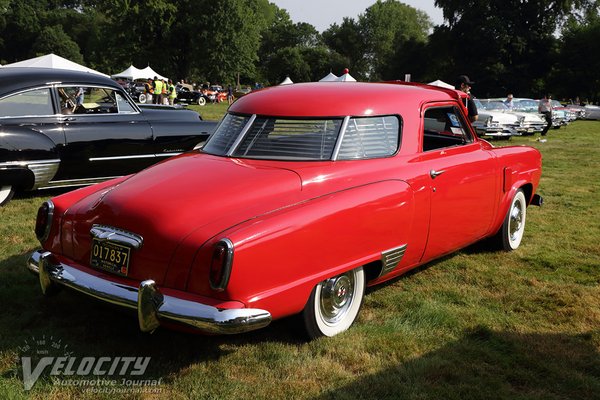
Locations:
(305, 139)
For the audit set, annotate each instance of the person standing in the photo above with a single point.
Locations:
(509, 101)
(172, 93)
(545, 108)
(230, 94)
(463, 83)
(149, 90)
(158, 89)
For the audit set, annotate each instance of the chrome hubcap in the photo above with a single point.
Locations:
(516, 220)
(336, 297)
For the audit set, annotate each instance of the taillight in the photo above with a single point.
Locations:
(43, 222)
(220, 264)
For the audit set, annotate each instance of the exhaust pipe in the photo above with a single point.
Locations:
(537, 200)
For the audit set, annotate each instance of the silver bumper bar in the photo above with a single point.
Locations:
(152, 306)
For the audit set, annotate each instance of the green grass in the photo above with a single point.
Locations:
(211, 111)
(477, 324)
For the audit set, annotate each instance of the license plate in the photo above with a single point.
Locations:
(110, 256)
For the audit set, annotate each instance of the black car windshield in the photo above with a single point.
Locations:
(280, 138)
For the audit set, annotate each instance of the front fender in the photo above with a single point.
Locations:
(279, 257)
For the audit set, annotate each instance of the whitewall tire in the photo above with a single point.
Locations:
(6, 193)
(513, 226)
(334, 304)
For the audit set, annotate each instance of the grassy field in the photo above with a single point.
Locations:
(474, 325)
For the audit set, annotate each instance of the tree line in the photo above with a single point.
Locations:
(525, 47)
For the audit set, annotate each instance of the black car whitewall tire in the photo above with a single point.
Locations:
(201, 101)
(142, 98)
(513, 226)
(6, 193)
(334, 304)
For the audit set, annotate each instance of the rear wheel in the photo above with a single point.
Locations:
(6, 193)
(142, 98)
(510, 235)
(334, 304)
(201, 101)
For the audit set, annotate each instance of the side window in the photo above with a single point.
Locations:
(35, 102)
(371, 137)
(92, 100)
(444, 127)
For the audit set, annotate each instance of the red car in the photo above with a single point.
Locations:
(291, 207)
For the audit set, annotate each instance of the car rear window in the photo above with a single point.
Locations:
(280, 138)
(31, 103)
(275, 138)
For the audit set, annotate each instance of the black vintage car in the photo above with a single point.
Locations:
(187, 94)
(63, 128)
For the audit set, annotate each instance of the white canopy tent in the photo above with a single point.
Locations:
(441, 84)
(150, 73)
(286, 81)
(330, 77)
(52, 61)
(134, 73)
(346, 78)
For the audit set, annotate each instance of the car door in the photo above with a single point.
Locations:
(105, 134)
(462, 180)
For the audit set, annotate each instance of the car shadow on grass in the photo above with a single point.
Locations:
(488, 364)
(90, 328)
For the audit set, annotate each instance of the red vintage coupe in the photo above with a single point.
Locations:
(291, 207)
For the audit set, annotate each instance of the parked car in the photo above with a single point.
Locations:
(51, 137)
(187, 94)
(305, 205)
(215, 94)
(528, 123)
(495, 124)
(592, 112)
(241, 92)
(531, 106)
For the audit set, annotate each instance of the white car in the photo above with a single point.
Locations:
(529, 122)
(495, 124)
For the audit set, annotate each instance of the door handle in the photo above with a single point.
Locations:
(434, 174)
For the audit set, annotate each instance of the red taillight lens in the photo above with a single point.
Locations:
(220, 264)
(43, 221)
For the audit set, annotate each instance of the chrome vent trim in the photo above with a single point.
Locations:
(104, 232)
(391, 258)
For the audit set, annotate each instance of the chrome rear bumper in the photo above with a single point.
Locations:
(152, 306)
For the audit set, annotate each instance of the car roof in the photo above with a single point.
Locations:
(18, 78)
(331, 99)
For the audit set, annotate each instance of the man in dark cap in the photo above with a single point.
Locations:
(463, 83)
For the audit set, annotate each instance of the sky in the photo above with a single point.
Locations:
(322, 13)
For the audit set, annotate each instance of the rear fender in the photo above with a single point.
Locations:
(29, 159)
(279, 257)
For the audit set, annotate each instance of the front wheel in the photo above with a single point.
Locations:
(142, 98)
(6, 193)
(334, 304)
(201, 101)
(510, 235)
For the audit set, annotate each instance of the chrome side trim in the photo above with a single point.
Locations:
(121, 157)
(75, 182)
(152, 306)
(104, 232)
(168, 154)
(391, 258)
